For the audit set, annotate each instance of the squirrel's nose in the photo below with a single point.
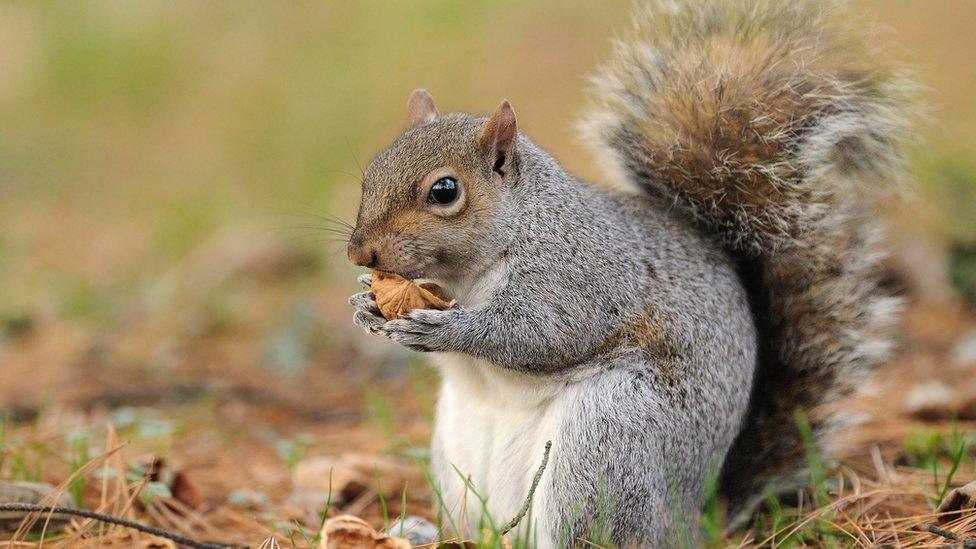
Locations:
(364, 256)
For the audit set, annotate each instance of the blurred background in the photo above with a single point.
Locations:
(164, 170)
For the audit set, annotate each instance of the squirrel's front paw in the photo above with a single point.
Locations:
(367, 316)
(424, 330)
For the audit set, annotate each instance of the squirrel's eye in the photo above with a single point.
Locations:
(444, 191)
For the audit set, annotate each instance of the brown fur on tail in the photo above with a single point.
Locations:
(770, 123)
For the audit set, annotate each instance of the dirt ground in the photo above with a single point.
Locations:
(253, 424)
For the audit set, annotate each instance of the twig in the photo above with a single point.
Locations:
(528, 500)
(967, 542)
(60, 510)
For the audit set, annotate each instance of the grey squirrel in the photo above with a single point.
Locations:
(673, 327)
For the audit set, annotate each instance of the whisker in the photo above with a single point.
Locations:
(336, 230)
(345, 173)
(340, 235)
(335, 253)
(356, 160)
(327, 217)
(333, 219)
(311, 240)
(323, 215)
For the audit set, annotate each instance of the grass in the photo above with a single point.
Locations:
(712, 520)
(815, 465)
(379, 495)
(843, 504)
(827, 514)
(961, 447)
(78, 453)
(441, 505)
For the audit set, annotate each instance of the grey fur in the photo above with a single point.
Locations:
(773, 125)
(651, 333)
(669, 396)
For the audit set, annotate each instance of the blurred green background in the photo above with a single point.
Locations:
(133, 133)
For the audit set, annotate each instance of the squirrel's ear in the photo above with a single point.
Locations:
(498, 139)
(421, 107)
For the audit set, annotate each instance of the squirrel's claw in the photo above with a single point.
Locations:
(369, 322)
(368, 316)
(423, 330)
(365, 301)
(366, 280)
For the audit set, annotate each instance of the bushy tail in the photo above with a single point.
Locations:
(769, 123)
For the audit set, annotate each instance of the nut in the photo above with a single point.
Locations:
(396, 296)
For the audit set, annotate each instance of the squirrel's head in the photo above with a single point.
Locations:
(433, 200)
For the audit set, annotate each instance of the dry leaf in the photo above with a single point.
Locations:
(396, 296)
(931, 399)
(957, 501)
(349, 475)
(33, 492)
(349, 532)
(183, 490)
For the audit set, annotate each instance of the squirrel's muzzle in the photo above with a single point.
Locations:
(364, 256)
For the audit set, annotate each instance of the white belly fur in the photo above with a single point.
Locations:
(492, 425)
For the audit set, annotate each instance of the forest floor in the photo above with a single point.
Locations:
(231, 428)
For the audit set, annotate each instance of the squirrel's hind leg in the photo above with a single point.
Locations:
(629, 471)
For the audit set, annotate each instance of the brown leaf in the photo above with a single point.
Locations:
(956, 501)
(349, 475)
(157, 470)
(397, 296)
(931, 399)
(32, 492)
(185, 491)
(349, 532)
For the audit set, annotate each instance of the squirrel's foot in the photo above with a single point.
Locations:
(367, 316)
(424, 330)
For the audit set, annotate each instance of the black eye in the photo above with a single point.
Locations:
(444, 191)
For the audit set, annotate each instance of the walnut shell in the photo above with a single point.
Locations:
(396, 296)
(347, 531)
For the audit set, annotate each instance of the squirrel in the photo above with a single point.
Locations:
(666, 331)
